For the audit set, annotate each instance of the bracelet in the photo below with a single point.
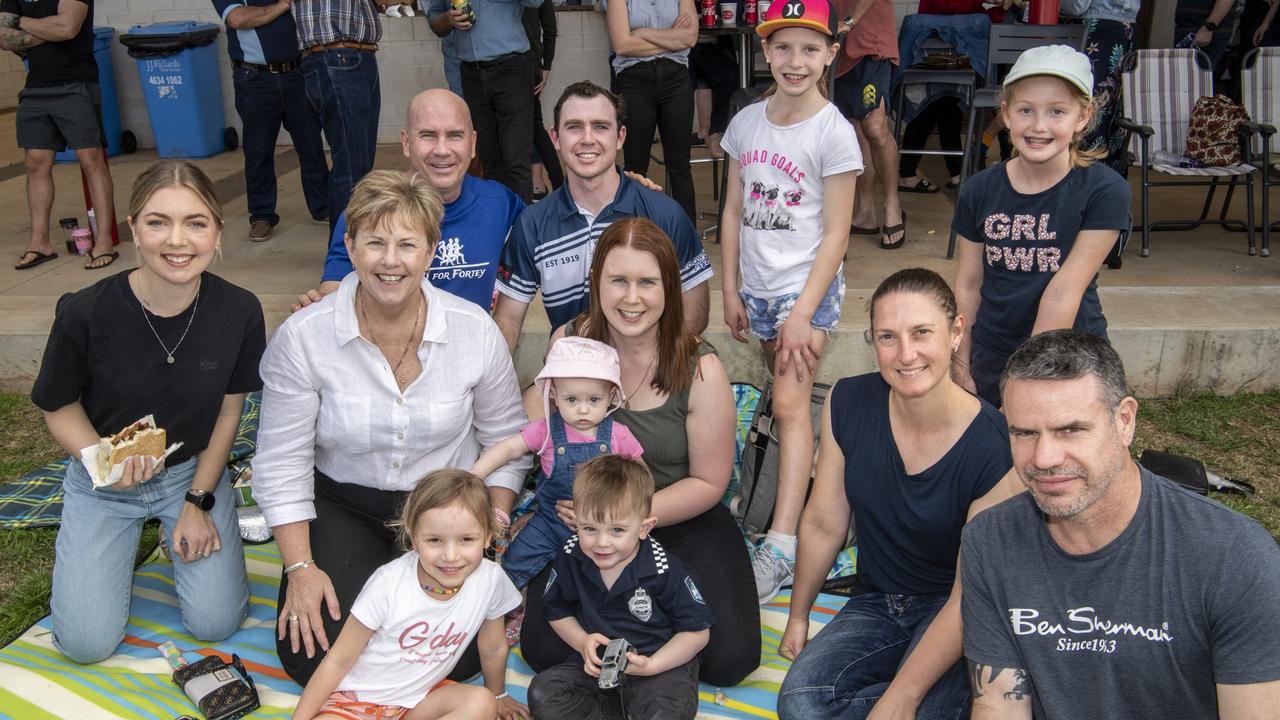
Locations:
(299, 566)
(502, 695)
(502, 517)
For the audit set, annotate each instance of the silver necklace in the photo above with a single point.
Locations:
(145, 311)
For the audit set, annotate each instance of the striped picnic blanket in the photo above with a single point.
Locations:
(36, 682)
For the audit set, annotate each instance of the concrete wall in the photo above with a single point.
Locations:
(408, 60)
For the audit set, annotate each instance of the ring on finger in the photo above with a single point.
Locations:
(293, 618)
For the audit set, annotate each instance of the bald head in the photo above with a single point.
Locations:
(437, 102)
(439, 140)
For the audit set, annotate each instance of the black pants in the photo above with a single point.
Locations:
(349, 540)
(712, 546)
(500, 96)
(567, 692)
(715, 66)
(659, 94)
(943, 113)
(544, 151)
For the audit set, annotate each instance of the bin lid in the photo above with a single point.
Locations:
(103, 32)
(166, 38)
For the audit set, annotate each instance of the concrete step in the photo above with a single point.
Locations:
(1172, 339)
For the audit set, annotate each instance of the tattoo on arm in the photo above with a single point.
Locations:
(1013, 683)
(8, 19)
(14, 39)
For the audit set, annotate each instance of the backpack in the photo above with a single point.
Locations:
(1213, 137)
(758, 486)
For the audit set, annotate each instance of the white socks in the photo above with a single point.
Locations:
(785, 543)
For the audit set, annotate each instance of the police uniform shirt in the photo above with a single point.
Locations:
(655, 596)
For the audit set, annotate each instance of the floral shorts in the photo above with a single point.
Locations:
(765, 316)
(345, 705)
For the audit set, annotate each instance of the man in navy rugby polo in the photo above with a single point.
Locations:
(552, 242)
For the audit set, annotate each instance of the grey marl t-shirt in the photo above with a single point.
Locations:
(1186, 597)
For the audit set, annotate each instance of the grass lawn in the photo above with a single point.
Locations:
(1237, 437)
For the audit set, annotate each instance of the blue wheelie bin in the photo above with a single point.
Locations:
(178, 66)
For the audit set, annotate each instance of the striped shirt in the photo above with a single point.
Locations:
(325, 21)
(551, 245)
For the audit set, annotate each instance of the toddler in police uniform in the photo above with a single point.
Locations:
(611, 580)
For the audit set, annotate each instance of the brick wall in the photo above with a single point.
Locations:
(408, 60)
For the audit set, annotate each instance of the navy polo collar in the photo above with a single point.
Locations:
(650, 561)
(624, 201)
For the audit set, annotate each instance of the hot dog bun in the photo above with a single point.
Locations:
(139, 438)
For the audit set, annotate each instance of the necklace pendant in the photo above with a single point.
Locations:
(170, 359)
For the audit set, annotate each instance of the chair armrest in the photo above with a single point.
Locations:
(1145, 131)
(1263, 129)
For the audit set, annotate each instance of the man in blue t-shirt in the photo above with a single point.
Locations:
(262, 42)
(552, 242)
(439, 141)
(1106, 590)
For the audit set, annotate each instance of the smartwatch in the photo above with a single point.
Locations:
(1210, 25)
(201, 499)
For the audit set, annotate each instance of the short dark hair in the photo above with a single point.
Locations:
(1068, 355)
(588, 89)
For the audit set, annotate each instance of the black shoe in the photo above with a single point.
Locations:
(697, 141)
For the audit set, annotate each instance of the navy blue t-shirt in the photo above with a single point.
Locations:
(909, 525)
(655, 596)
(275, 42)
(1027, 239)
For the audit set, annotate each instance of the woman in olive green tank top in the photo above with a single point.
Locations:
(681, 409)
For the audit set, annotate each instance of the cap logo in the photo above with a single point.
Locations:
(793, 9)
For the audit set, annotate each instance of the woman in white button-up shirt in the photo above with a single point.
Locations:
(364, 393)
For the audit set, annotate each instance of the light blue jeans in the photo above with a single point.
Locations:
(93, 562)
(844, 670)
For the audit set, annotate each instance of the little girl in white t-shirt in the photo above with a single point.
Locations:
(416, 615)
(788, 204)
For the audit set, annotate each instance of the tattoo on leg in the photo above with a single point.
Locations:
(984, 679)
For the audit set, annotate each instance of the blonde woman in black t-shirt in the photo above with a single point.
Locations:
(167, 339)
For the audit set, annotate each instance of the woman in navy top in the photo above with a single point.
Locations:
(911, 455)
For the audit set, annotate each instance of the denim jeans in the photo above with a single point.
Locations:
(343, 88)
(264, 101)
(659, 94)
(94, 554)
(845, 669)
(499, 94)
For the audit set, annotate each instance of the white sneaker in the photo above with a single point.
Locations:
(772, 569)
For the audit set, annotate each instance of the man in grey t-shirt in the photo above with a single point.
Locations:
(1107, 591)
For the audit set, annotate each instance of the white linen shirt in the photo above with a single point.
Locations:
(330, 402)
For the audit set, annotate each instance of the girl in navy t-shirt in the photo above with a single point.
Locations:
(1040, 225)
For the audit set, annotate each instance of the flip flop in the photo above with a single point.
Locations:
(95, 258)
(890, 230)
(859, 230)
(40, 259)
(924, 187)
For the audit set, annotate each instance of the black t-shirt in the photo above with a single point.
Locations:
(1027, 239)
(102, 353)
(57, 63)
(909, 525)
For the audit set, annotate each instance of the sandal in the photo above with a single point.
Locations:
(890, 230)
(110, 257)
(39, 259)
(924, 186)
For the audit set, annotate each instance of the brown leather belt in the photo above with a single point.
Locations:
(340, 44)
(273, 68)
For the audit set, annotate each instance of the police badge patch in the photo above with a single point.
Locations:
(693, 590)
(641, 605)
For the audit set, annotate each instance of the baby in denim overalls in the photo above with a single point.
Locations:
(582, 378)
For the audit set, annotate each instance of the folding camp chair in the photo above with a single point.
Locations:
(1159, 94)
(1260, 71)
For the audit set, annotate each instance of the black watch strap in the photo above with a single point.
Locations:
(204, 501)
(1210, 25)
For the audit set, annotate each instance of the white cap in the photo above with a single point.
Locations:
(1060, 61)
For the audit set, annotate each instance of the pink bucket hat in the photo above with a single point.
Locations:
(579, 357)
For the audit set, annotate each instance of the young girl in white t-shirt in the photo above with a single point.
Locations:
(788, 204)
(416, 615)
